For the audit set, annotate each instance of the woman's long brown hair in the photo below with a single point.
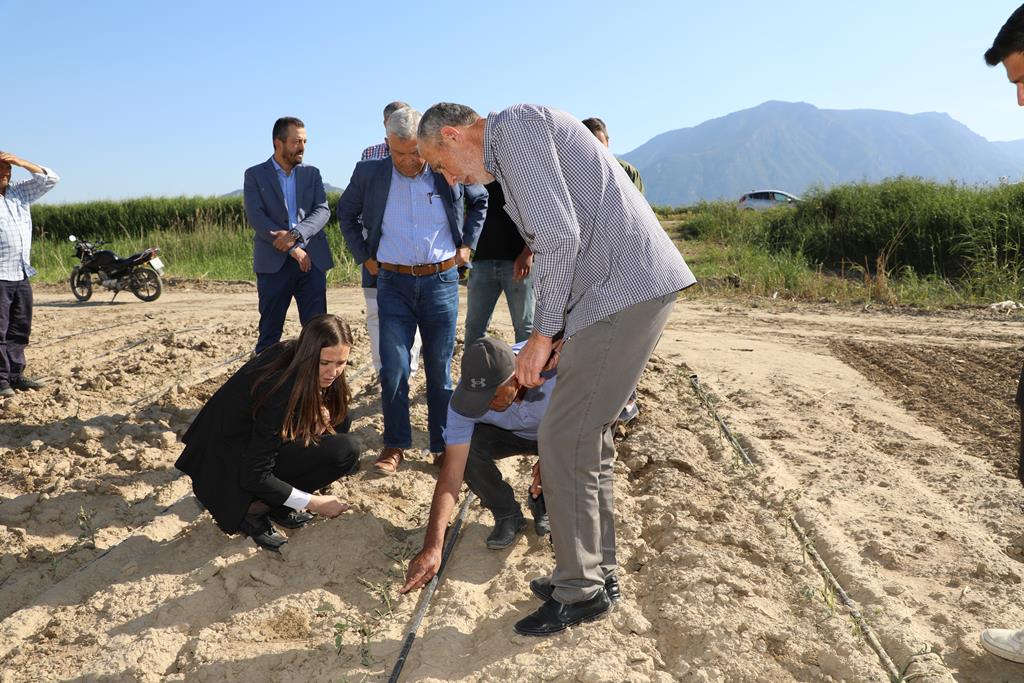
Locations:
(300, 360)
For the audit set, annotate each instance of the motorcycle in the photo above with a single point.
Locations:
(140, 273)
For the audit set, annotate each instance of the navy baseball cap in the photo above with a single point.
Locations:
(486, 364)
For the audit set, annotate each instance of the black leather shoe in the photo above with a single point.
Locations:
(6, 391)
(288, 518)
(505, 530)
(543, 589)
(553, 616)
(611, 587)
(262, 534)
(26, 384)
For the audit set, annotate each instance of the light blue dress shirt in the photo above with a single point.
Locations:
(522, 418)
(287, 181)
(415, 227)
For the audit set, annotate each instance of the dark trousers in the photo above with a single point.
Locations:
(309, 468)
(15, 327)
(490, 443)
(276, 291)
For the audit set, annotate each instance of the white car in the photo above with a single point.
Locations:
(766, 199)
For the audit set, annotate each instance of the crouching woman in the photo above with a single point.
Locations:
(275, 433)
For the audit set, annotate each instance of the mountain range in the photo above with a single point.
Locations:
(793, 146)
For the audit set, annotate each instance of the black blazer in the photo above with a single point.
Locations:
(230, 454)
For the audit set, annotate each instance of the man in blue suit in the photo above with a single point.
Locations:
(286, 205)
(419, 230)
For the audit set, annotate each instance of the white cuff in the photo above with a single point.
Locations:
(298, 499)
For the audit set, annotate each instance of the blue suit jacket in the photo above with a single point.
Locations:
(265, 209)
(365, 198)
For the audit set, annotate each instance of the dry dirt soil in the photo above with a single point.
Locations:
(890, 436)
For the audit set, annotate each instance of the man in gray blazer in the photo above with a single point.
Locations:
(286, 206)
(418, 231)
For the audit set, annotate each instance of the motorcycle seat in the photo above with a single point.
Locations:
(129, 260)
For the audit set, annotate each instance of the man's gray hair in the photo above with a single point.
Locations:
(402, 123)
(393, 107)
(445, 114)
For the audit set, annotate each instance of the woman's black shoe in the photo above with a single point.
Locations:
(262, 534)
(553, 616)
(288, 518)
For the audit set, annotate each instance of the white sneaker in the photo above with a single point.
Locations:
(1005, 643)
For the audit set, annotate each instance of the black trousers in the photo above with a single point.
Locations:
(276, 291)
(318, 465)
(15, 327)
(490, 443)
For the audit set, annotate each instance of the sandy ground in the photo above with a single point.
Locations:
(891, 437)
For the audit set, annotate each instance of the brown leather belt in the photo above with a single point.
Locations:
(423, 269)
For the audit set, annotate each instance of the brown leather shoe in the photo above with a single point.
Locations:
(388, 461)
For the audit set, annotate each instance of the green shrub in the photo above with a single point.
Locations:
(109, 219)
(910, 238)
(198, 237)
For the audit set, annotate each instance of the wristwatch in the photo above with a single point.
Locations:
(295, 235)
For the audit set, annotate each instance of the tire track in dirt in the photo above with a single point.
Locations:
(967, 393)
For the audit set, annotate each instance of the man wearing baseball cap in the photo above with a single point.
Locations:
(490, 417)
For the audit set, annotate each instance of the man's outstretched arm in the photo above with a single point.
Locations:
(427, 562)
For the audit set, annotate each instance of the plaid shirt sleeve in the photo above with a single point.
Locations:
(529, 163)
(374, 152)
(35, 187)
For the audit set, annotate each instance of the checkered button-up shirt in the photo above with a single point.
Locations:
(16, 224)
(598, 246)
(374, 152)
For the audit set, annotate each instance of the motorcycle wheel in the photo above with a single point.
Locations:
(81, 284)
(145, 284)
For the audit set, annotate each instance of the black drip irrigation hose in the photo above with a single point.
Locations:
(428, 593)
(805, 542)
(706, 400)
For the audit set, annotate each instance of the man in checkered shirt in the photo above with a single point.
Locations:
(380, 150)
(15, 248)
(607, 276)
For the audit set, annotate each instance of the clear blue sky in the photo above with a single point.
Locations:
(127, 99)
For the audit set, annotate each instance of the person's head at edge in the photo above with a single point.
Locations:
(401, 129)
(597, 127)
(1008, 49)
(289, 142)
(391, 108)
(5, 177)
(316, 361)
(451, 140)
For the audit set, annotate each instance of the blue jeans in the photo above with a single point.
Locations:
(487, 280)
(405, 302)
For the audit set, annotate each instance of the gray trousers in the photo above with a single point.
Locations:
(599, 367)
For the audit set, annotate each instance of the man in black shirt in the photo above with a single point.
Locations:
(501, 263)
